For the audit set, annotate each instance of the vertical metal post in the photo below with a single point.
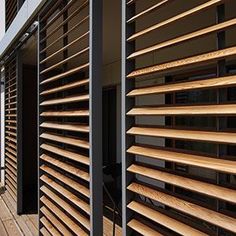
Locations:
(126, 104)
(95, 118)
(39, 121)
(221, 97)
(19, 135)
(2, 123)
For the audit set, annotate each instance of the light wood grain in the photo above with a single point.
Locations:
(192, 209)
(185, 37)
(208, 136)
(68, 221)
(50, 228)
(67, 207)
(186, 159)
(206, 110)
(162, 219)
(78, 98)
(60, 227)
(66, 167)
(86, 50)
(177, 64)
(68, 154)
(73, 113)
(180, 16)
(44, 232)
(142, 228)
(61, 139)
(148, 10)
(211, 190)
(185, 86)
(66, 180)
(68, 127)
(66, 87)
(65, 74)
(66, 194)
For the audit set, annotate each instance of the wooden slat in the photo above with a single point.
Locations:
(44, 232)
(60, 227)
(185, 37)
(186, 159)
(11, 145)
(10, 173)
(65, 74)
(180, 16)
(70, 17)
(162, 219)
(226, 109)
(11, 151)
(71, 224)
(149, 10)
(199, 59)
(192, 209)
(65, 153)
(66, 180)
(56, 16)
(85, 50)
(67, 194)
(72, 141)
(78, 98)
(69, 127)
(66, 34)
(211, 190)
(69, 113)
(142, 228)
(66, 87)
(67, 207)
(209, 136)
(10, 169)
(69, 168)
(185, 86)
(53, 231)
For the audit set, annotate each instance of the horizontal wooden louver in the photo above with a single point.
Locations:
(11, 128)
(11, 11)
(64, 119)
(179, 116)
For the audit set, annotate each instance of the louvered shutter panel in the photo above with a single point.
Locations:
(11, 128)
(69, 94)
(11, 11)
(179, 110)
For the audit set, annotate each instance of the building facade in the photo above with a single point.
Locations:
(119, 117)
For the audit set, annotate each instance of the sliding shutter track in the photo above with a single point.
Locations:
(64, 119)
(179, 117)
(11, 128)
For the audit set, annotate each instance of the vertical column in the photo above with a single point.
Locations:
(221, 97)
(127, 104)
(41, 35)
(95, 120)
(2, 118)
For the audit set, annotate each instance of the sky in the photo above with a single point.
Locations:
(2, 18)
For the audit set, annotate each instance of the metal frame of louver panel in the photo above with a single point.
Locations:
(70, 155)
(167, 199)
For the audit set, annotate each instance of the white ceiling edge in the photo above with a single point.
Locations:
(26, 13)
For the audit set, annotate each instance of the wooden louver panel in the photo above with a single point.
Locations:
(179, 117)
(68, 89)
(11, 11)
(11, 128)
(64, 119)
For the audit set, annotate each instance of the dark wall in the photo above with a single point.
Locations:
(29, 134)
